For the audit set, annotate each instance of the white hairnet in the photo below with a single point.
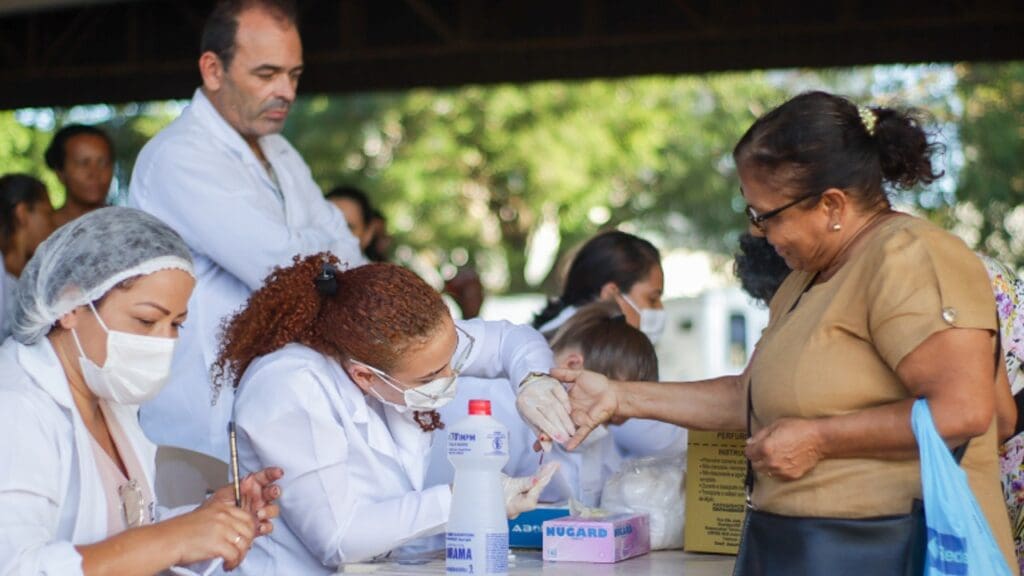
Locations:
(82, 260)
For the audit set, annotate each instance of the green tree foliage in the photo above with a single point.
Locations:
(21, 151)
(480, 168)
(475, 172)
(991, 183)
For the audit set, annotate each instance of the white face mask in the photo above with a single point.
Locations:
(429, 396)
(652, 320)
(136, 369)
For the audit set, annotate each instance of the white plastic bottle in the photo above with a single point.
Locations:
(477, 536)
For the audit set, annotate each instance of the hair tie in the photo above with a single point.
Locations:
(867, 119)
(327, 282)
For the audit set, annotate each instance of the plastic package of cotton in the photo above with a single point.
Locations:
(655, 486)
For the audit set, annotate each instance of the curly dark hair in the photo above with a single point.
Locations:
(376, 313)
(759, 267)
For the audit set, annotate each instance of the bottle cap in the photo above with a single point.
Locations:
(479, 407)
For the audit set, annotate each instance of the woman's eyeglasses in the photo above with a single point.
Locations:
(757, 220)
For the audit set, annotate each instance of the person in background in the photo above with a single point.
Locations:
(379, 248)
(1009, 293)
(467, 290)
(624, 269)
(614, 267)
(340, 376)
(882, 309)
(596, 338)
(759, 268)
(83, 159)
(355, 205)
(94, 329)
(25, 221)
(223, 177)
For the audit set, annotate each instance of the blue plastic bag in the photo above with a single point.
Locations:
(960, 542)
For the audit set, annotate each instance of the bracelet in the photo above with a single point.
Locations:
(533, 376)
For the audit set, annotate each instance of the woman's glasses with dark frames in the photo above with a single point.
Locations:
(757, 220)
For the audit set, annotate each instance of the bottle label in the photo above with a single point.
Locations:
(469, 553)
(490, 443)
(497, 553)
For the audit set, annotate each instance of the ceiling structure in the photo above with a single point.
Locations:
(63, 52)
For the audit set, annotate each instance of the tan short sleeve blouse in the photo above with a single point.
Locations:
(836, 352)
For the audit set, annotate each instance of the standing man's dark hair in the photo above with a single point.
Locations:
(221, 25)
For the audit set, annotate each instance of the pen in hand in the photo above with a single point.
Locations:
(234, 464)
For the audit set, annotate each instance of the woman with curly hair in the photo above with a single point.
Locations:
(339, 376)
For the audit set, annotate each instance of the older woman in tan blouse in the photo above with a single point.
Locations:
(881, 308)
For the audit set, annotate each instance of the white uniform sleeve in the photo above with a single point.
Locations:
(317, 501)
(30, 495)
(218, 214)
(505, 350)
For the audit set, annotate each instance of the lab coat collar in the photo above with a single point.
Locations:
(207, 115)
(395, 435)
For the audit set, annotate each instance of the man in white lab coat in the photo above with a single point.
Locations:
(239, 194)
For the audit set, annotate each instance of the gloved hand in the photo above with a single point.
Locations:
(521, 493)
(544, 404)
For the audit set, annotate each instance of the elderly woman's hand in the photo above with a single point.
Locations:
(787, 449)
(594, 401)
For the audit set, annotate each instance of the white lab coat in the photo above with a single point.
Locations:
(200, 177)
(51, 494)
(353, 487)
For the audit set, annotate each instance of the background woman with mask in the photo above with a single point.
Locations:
(626, 269)
(340, 375)
(94, 331)
(614, 267)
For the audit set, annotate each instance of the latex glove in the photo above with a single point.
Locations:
(595, 400)
(521, 493)
(544, 404)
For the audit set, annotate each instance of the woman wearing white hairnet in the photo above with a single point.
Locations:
(98, 310)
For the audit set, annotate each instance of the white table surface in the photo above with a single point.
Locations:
(665, 562)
